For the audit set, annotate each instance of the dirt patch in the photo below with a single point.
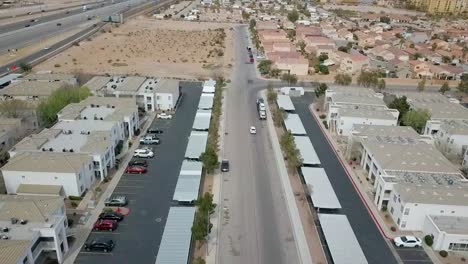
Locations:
(151, 47)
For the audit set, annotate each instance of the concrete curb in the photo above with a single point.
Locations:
(293, 212)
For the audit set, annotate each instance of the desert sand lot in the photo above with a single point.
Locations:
(150, 47)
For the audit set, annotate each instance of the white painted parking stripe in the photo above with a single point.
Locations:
(96, 253)
(129, 186)
(124, 193)
(106, 232)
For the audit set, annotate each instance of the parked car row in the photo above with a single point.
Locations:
(108, 221)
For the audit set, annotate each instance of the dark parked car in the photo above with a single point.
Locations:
(154, 130)
(27, 25)
(225, 165)
(59, 24)
(111, 216)
(100, 245)
(135, 169)
(142, 163)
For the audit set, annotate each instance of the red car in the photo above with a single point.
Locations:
(103, 224)
(135, 169)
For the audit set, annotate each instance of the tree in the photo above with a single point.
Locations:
(381, 84)
(26, 67)
(275, 72)
(463, 85)
(444, 88)
(13, 108)
(199, 260)
(290, 150)
(385, 19)
(245, 15)
(417, 55)
(368, 79)
(291, 34)
(301, 44)
(416, 119)
(209, 159)
(205, 203)
(290, 78)
(271, 94)
(355, 37)
(293, 16)
(343, 49)
(421, 85)
(400, 104)
(343, 79)
(323, 57)
(411, 45)
(446, 59)
(320, 90)
(264, 66)
(434, 46)
(252, 24)
(322, 69)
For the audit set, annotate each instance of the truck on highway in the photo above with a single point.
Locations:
(85, 8)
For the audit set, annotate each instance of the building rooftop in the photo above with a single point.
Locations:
(428, 194)
(125, 83)
(357, 98)
(31, 88)
(168, 86)
(39, 189)
(11, 251)
(97, 83)
(37, 209)
(451, 224)
(82, 125)
(455, 127)
(433, 179)
(109, 108)
(419, 157)
(52, 77)
(47, 162)
(367, 111)
(387, 134)
(438, 105)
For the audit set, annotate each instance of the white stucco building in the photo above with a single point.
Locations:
(32, 226)
(452, 137)
(449, 232)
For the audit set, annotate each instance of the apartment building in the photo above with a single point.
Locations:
(347, 107)
(30, 90)
(11, 131)
(31, 227)
(50, 77)
(440, 7)
(151, 94)
(452, 137)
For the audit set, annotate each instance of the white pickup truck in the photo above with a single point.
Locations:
(149, 140)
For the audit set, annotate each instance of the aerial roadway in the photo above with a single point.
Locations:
(19, 38)
(34, 19)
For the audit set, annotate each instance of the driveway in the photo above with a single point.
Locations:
(150, 195)
(413, 255)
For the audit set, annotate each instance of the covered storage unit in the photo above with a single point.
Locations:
(284, 102)
(206, 101)
(294, 124)
(320, 189)
(209, 86)
(196, 145)
(307, 151)
(341, 240)
(188, 183)
(202, 120)
(177, 236)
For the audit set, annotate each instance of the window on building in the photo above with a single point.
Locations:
(391, 210)
(56, 177)
(79, 176)
(442, 211)
(158, 97)
(394, 198)
(406, 211)
(402, 208)
(23, 177)
(81, 188)
(458, 246)
(403, 224)
(398, 221)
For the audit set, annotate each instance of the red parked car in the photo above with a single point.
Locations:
(103, 224)
(135, 169)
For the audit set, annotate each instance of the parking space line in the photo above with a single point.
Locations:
(129, 186)
(123, 193)
(135, 180)
(96, 253)
(106, 232)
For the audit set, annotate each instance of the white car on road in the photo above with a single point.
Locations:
(253, 130)
(407, 241)
(164, 116)
(143, 153)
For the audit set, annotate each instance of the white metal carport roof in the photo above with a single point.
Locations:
(209, 86)
(320, 189)
(206, 101)
(188, 183)
(177, 236)
(284, 101)
(196, 145)
(305, 147)
(293, 123)
(202, 120)
(341, 239)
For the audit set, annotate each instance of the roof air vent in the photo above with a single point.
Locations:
(4, 237)
(14, 221)
(113, 106)
(71, 150)
(85, 118)
(5, 229)
(92, 105)
(51, 149)
(101, 118)
(23, 221)
(43, 149)
(64, 150)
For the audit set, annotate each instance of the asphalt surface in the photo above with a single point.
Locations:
(51, 17)
(413, 255)
(374, 246)
(24, 36)
(256, 226)
(150, 195)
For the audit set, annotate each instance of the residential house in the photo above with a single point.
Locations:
(266, 25)
(313, 41)
(293, 65)
(345, 34)
(305, 31)
(418, 37)
(421, 69)
(399, 69)
(353, 63)
(365, 40)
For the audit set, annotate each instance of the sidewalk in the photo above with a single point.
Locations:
(84, 231)
(365, 194)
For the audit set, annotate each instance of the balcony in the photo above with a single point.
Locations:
(42, 246)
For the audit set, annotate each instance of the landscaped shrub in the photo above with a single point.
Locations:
(393, 228)
(443, 253)
(429, 240)
(325, 123)
(75, 198)
(322, 116)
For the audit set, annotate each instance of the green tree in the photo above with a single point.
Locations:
(322, 69)
(417, 55)
(293, 16)
(411, 45)
(343, 79)
(463, 85)
(416, 119)
(385, 19)
(446, 59)
(245, 15)
(289, 78)
(323, 57)
(368, 79)
(434, 46)
(275, 72)
(271, 94)
(13, 108)
(400, 104)
(26, 67)
(48, 109)
(355, 37)
(252, 24)
(320, 90)
(344, 49)
(264, 66)
(205, 203)
(292, 34)
(278, 116)
(209, 159)
(421, 85)
(381, 84)
(444, 88)
(293, 156)
(301, 44)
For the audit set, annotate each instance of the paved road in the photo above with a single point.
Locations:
(374, 246)
(256, 227)
(51, 17)
(21, 37)
(139, 236)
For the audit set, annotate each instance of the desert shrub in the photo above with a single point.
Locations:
(443, 253)
(429, 240)
(322, 116)
(57, 65)
(393, 228)
(75, 198)
(325, 123)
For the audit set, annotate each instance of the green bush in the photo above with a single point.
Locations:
(75, 198)
(322, 116)
(443, 253)
(74, 204)
(393, 229)
(325, 123)
(429, 240)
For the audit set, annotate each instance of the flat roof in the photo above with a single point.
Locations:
(202, 120)
(97, 83)
(177, 236)
(433, 194)
(284, 101)
(34, 208)
(168, 86)
(419, 157)
(307, 151)
(367, 111)
(209, 86)
(39, 189)
(320, 189)
(294, 124)
(196, 145)
(438, 105)
(451, 224)
(386, 133)
(188, 183)
(455, 127)
(206, 101)
(53, 162)
(341, 239)
(12, 251)
(31, 88)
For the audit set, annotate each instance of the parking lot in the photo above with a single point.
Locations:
(138, 236)
(413, 255)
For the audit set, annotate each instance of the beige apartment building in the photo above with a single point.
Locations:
(441, 6)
